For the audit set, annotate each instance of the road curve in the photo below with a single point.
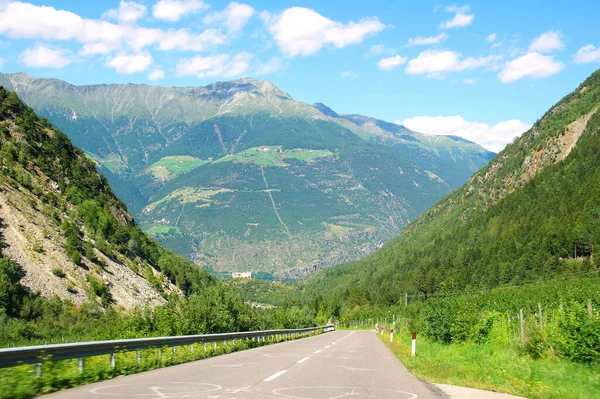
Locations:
(328, 366)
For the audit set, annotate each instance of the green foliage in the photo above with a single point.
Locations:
(58, 272)
(495, 230)
(577, 334)
(99, 289)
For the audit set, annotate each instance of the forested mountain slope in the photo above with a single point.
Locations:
(65, 234)
(532, 213)
(240, 176)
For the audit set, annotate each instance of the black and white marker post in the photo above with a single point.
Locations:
(414, 344)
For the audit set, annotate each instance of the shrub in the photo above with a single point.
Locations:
(58, 272)
(577, 336)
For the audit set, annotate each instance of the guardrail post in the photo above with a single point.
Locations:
(138, 357)
(214, 345)
(205, 347)
(80, 364)
(38, 370)
(113, 360)
(192, 348)
(173, 350)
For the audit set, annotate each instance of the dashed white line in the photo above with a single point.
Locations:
(319, 351)
(327, 346)
(303, 360)
(277, 374)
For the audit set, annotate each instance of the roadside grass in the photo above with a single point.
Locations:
(350, 328)
(22, 382)
(500, 369)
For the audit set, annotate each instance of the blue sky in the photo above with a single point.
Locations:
(483, 70)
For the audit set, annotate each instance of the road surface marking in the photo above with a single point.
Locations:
(327, 346)
(277, 374)
(319, 351)
(356, 369)
(335, 392)
(303, 360)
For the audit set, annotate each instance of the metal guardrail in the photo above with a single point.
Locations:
(38, 354)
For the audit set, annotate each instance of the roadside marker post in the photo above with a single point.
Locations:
(392, 335)
(414, 344)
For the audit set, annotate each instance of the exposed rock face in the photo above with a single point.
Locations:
(32, 210)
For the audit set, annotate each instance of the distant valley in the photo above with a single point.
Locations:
(239, 176)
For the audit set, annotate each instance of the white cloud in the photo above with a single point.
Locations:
(547, 43)
(587, 54)
(390, 63)
(533, 65)
(130, 63)
(181, 39)
(469, 81)
(491, 38)
(173, 10)
(419, 41)
(28, 21)
(435, 63)
(348, 75)
(157, 74)
(128, 12)
(220, 65)
(138, 38)
(461, 17)
(234, 17)
(493, 138)
(95, 48)
(380, 49)
(42, 56)
(275, 64)
(303, 31)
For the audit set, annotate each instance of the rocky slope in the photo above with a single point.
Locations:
(61, 223)
(240, 176)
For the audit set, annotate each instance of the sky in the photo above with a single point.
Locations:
(482, 70)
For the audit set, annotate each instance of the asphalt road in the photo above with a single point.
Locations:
(333, 365)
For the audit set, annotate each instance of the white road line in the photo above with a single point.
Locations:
(303, 360)
(319, 351)
(327, 346)
(277, 374)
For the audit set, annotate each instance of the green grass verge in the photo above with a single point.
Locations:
(497, 369)
(21, 382)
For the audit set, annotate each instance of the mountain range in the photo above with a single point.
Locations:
(239, 176)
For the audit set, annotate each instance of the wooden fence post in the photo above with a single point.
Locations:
(522, 320)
